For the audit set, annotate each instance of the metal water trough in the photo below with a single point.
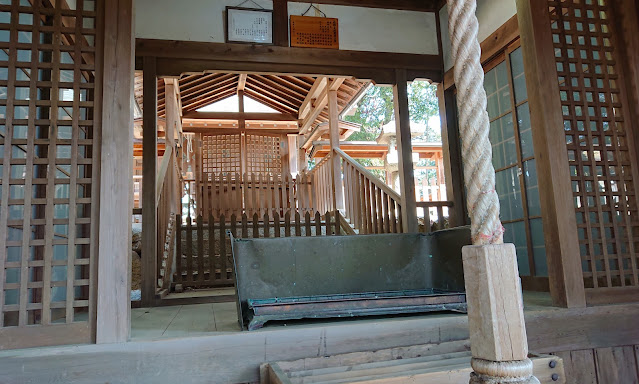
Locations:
(344, 276)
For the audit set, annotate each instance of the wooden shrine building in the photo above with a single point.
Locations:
(108, 112)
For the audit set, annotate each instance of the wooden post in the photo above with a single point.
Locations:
(495, 312)
(336, 168)
(453, 172)
(149, 173)
(302, 161)
(116, 166)
(172, 89)
(280, 21)
(553, 173)
(293, 155)
(405, 150)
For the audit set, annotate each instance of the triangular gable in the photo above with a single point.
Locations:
(230, 104)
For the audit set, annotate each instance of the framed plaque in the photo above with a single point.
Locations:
(249, 25)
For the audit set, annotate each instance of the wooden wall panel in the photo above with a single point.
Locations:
(618, 365)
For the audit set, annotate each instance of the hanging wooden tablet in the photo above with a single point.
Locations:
(314, 32)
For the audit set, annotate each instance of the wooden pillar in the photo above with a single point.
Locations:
(452, 155)
(336, 168)
(197, 173)
(551, 155)
(116, 178)
(172, 119)
(149, 173)
(302, 161)
(405, 151)
(293, 155)
(285, 153)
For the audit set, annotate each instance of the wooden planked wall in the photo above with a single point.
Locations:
(619, 365)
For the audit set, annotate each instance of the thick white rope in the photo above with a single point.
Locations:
(474, 124)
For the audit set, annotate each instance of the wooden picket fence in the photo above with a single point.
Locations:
(228, 194)
(203, 251)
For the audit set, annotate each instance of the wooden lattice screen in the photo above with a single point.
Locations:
(48, 166)
(263, 154)
(221, 154)
(599, 150)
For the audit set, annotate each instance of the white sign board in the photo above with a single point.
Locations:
(246, 25)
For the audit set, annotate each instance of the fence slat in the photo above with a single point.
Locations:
(276, 224)
(307, 223)
(200, 248)
(189, 249)
(178, 250)
(223, 256)
(244, 226)
(298, 229)
(211, 248)
(256, 226)
(318, 224)
(267, 226)
(327, 223)
(287, 224)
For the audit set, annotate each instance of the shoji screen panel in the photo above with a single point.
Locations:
(600, 152)
(48, 169)
(263, 154)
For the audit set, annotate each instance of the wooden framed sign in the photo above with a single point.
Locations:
(314, 32)
(249, 25)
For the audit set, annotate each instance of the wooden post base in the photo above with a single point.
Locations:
(495, 315)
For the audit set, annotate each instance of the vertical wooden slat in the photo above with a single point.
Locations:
(256, 228)
(245, 226)
(327, 223)
(211, 250)
(207, 199)
(393, 217)
(287, 224)
(385, 200)
(373, 197)
(189, 249)
(223, 255)
(267, 227)
(200, 248)
(427, 225)
(276, 223)
(246, 193)
(318, 224)
(178, 248)
(338, 224)
(298, 228)
(307, 223)
(234, 225)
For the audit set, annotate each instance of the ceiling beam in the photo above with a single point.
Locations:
(256, 131)
(316, 90)
(242, 82)
(265, 116)
(320, 104)
(405, 5)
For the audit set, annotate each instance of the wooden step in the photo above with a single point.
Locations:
(430, 363)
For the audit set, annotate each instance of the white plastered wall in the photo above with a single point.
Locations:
(361, 29)
(491, 14)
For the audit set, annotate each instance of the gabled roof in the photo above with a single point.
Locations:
(283, 93)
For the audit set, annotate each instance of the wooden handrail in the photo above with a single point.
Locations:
(317, 165)
(369, 175)
(161, 176)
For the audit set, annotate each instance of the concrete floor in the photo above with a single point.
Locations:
(206, 319)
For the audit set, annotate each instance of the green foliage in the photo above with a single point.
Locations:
(376, 109)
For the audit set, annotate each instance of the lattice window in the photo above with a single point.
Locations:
(221, 153)
(263, 154)
(599, 156)
(47, 163)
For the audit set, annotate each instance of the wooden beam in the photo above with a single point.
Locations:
(320, 104)
(405, 5)
(265, 116)
(254, 131)
(241, 83)
(551, 155)
(280, 23)
(405, 149)
(333, 133)
(149, 172)
(313, 94)
(177, 57)
(116, 168)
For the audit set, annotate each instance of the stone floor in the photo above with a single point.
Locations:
(205, 319)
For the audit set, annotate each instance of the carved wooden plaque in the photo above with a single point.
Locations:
(314, 32)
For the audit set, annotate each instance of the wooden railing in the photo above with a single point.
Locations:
(370, 205)
(322, 183)
(235, 194)
(436, 215)
(204, 249)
